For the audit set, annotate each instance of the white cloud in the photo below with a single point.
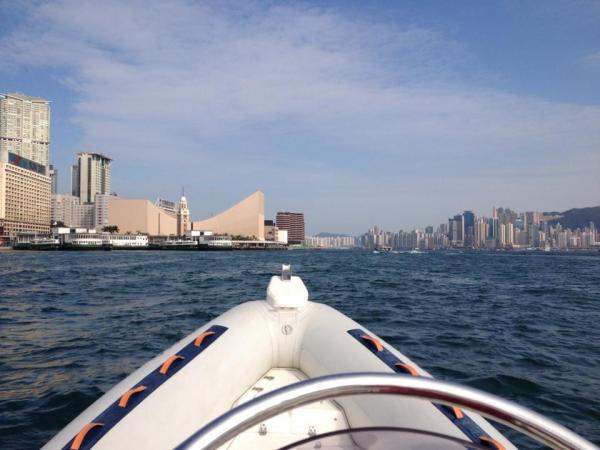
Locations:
(592, 59)
(271, 88)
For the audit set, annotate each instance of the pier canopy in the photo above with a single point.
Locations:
(246, 218)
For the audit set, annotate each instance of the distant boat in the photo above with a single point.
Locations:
(414, 252)
(38, 244)
(382, 249)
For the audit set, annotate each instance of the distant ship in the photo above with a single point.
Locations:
(38, 244)
(382, 249)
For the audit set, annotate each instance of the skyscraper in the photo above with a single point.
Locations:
(509, 235)
(93, 176)
(293, 222)
(480, 232)
(456, 230)
(25, 127)
(24, 154)
(469, 228)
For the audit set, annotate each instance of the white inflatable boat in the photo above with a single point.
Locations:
(290, 373)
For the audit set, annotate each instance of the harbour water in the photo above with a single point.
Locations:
(525, 326)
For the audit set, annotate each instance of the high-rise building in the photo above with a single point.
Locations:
(456, 230)
(102, 211)
(70, 212)
(501, 235)
(493, 228)
(293, 222)
(183, 217)
(480, 232)
(533, 218)
(53, 173)
(24, 154)
(509, 235)
(24, 197)
(75, 180)
(25, 127)
(93, 176)
(469, 228)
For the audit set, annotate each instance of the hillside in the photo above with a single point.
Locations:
(577, 217)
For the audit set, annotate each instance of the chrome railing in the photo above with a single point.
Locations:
(230, 424)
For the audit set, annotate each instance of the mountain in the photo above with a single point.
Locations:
(325, 234)
(576, 217)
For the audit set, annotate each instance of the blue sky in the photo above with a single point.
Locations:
(357, 113)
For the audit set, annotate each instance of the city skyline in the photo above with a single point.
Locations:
(351, 113)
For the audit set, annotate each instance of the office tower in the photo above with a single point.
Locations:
(456, 230)
(183, 217)
(294, 224)
(480, 232)
(501, 235)
(25, 127)
(53, 173)
(24, 152)
(493, 228)
(509, 235)
(469, 228)
(93, 176)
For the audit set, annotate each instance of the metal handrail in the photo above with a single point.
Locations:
(230, 424)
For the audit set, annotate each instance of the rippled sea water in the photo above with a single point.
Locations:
(523, 326)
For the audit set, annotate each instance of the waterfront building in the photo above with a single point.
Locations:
(68, 210)
(340, 242)
(246, 218)
(102, 211)
(25, 127)
(140, 216)
(183, 217)
(281, 236)
(270, 230)
(93, 176)
(24, 197)
(53, 173)
(293, 222)
(25, 185)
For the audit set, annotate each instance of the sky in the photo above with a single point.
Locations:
(356, 113)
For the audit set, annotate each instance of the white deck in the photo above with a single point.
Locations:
(292, 426)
